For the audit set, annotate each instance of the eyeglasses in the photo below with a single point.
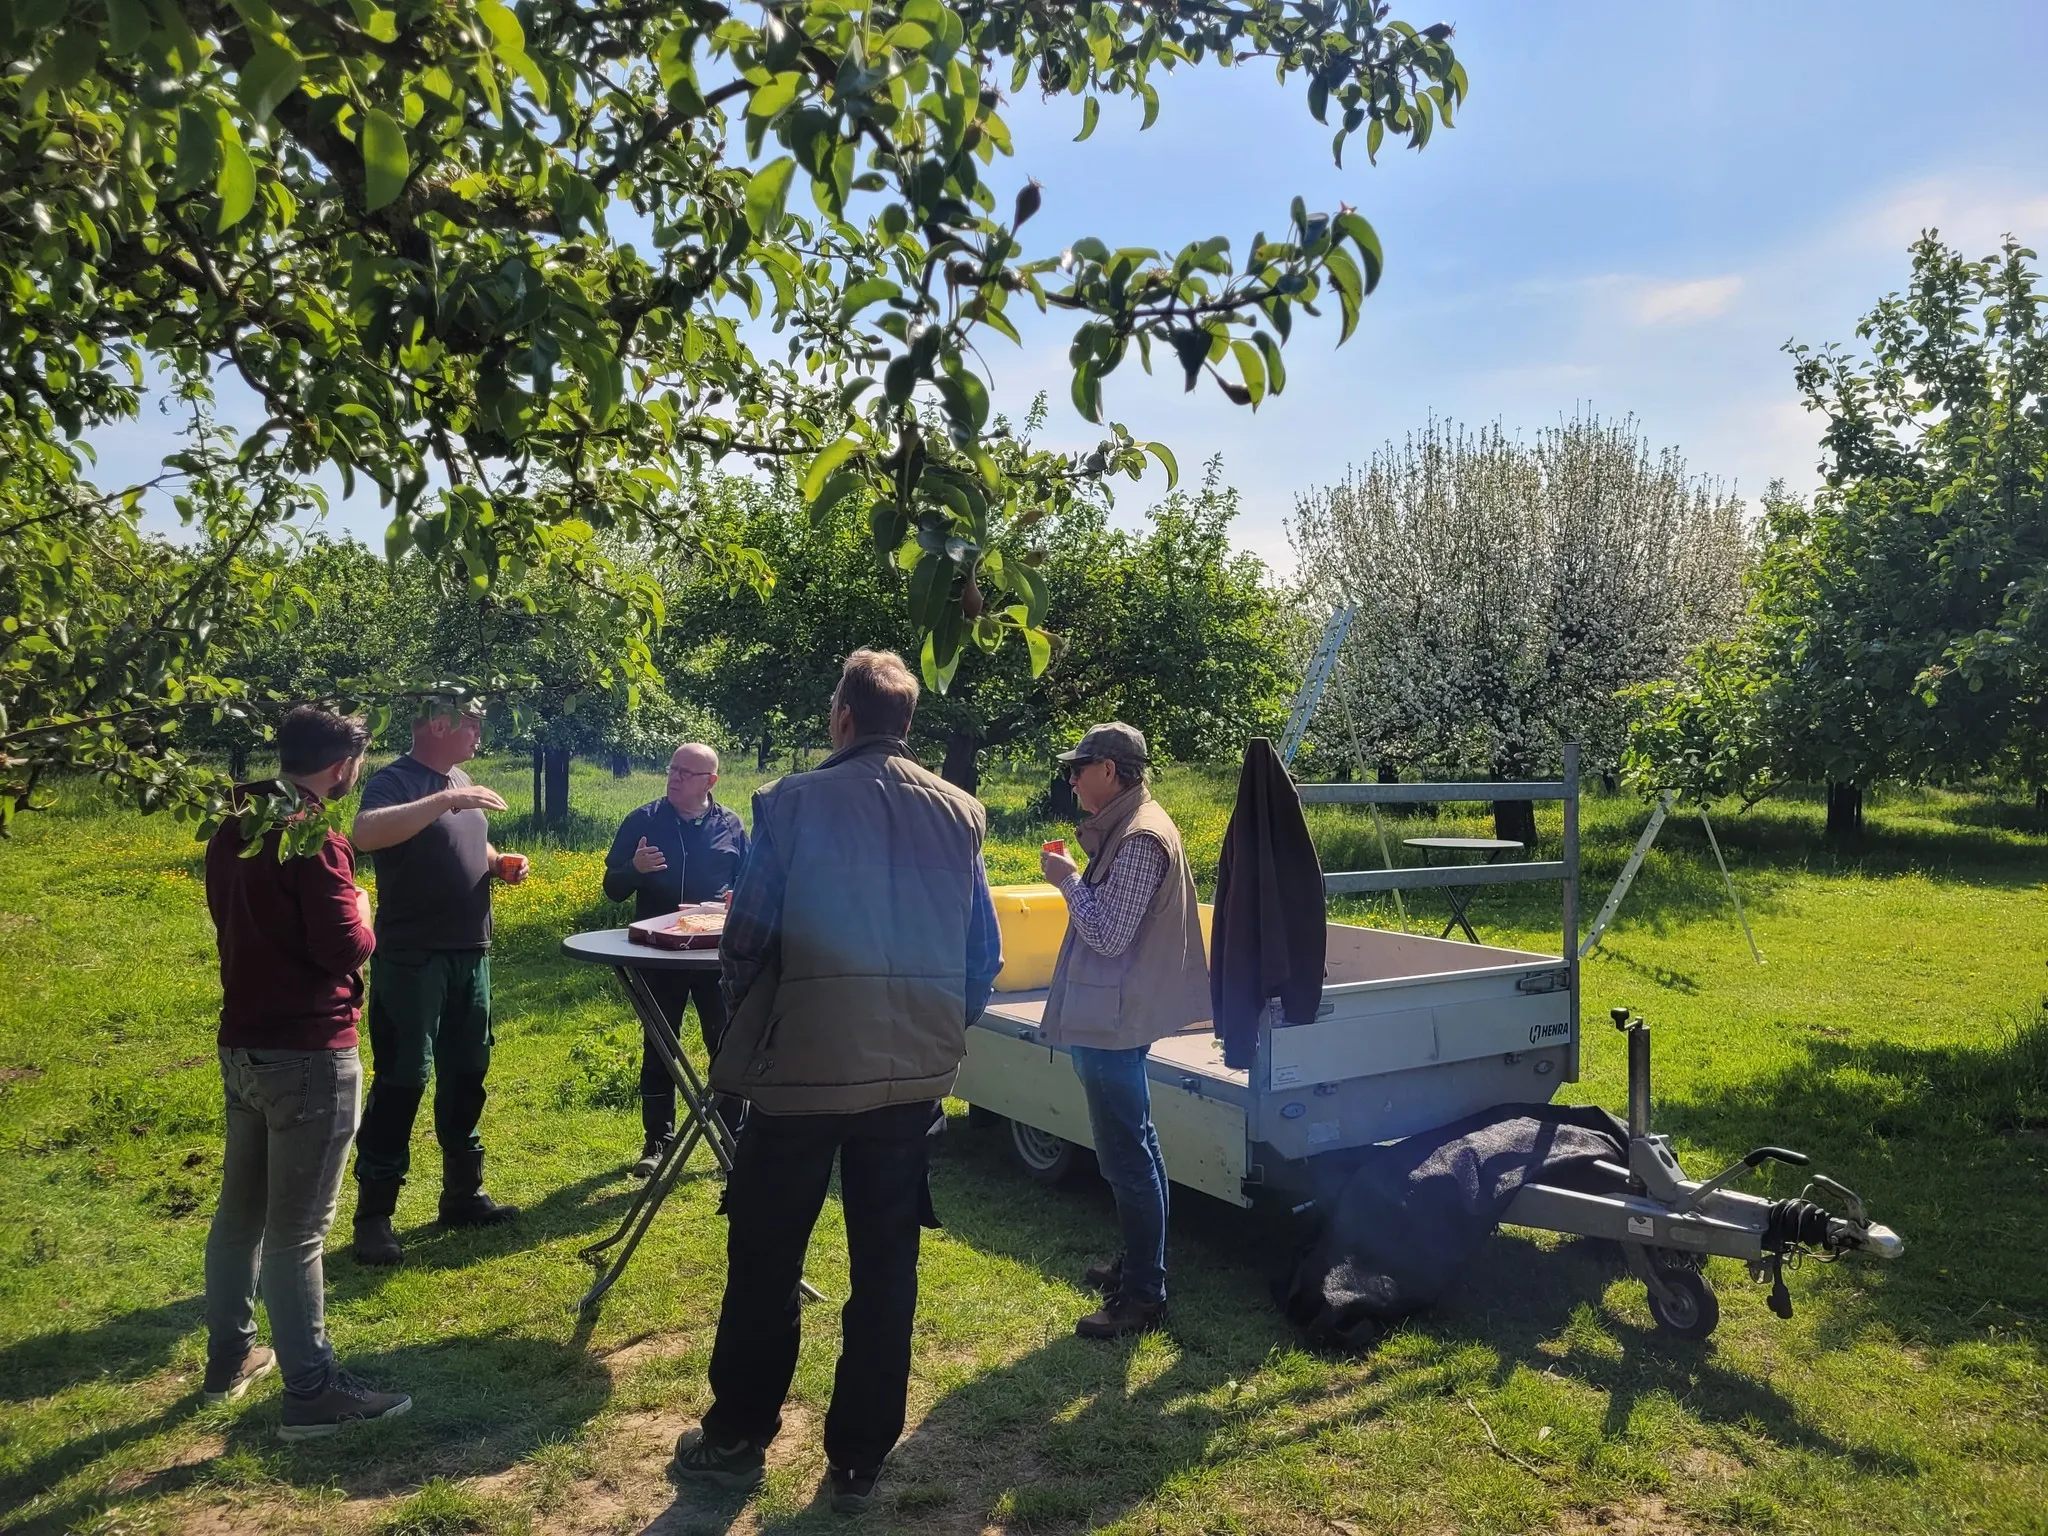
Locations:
(691, 773)
(1080, 765)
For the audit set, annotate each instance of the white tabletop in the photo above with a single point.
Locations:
(610, 946)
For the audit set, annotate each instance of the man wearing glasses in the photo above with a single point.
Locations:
(682, 848)
(1131, 970)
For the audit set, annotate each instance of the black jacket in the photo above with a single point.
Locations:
(1268, 937)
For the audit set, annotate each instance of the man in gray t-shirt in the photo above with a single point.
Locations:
(423, 823)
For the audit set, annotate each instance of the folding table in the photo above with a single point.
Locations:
(698, 1120)
(1461, 896)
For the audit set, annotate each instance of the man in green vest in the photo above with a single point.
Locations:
(1131, 971)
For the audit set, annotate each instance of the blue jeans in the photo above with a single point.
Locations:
(1127, 1150)
(290, 1115)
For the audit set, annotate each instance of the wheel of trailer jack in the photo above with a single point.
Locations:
(1692, 1312)
(1045, 1157)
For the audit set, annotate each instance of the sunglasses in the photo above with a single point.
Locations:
(1080, 765)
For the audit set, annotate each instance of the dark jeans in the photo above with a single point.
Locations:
(675, 990)
(290, 1115)
(779, 1177)
(1127, 1150)
(430, 1018)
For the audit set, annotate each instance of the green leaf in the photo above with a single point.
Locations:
(836, 490)
(270, 76)
(385, 162)
(1251, 369)
(938, 676)
(775, 95)
(1039, 644)
(767, 193)
(1167, 462)
(1276, 370)
(508, 42)
(867, 291)
(127, 25)
(829, 459)
(1091, 109)
(236, 185)
(1350, 288)
(1361, 234)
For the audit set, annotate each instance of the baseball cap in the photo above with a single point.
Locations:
(1112, 741)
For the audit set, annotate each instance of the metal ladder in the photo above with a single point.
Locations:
(1314, 681)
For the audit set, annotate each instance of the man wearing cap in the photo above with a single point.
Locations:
(423, 822)
(1131, 971)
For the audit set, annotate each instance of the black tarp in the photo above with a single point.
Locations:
(1403, 1219)
(1269, 936)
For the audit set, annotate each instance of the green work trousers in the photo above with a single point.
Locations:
(430, 1021)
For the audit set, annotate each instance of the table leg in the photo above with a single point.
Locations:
(698, 1122)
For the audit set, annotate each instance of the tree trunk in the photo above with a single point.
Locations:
(555, 782)
(1515, 821)
(962, 766)
(1845, 810)
(1059, 798)
(537, 756)
(238, 762)
(622, 765)
(762, 750)
(1390, 772)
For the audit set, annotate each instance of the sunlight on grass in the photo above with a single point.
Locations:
(1895, 1033)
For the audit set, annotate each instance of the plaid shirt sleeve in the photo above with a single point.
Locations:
(1106, 916)
(753, 924)
(984, 944)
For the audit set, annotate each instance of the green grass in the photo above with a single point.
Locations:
(1894, 1033)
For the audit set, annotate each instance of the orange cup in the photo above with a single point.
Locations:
(511, 866)
(1056, 845)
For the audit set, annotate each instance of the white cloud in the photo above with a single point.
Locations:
(1686, 303)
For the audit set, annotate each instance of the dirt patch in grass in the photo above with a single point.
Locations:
(1647, 1516)
(20, 1074)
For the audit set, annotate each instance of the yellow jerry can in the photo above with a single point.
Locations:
(1033, 920)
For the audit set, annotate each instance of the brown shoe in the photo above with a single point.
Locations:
(1121, 1315)
(1107, 1278)
(225, 1383)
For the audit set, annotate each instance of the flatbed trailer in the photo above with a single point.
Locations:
(1411, 1033)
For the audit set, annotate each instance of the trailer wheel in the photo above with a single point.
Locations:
(1045, 1157)
(1692, 1312)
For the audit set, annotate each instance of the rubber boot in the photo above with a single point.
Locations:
(463, 1201)
(376, 1243)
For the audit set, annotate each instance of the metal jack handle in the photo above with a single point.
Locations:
(1754, 1159)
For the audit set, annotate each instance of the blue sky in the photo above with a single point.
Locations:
(1639, 205)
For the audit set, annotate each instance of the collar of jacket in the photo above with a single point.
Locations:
(1095, 833)
(865, 746)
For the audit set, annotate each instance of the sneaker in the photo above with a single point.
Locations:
(344, 1400)
(853, 1492)
(650, 1157)
(1106, 1278)
(1120, 1315)
(737, 1468)
(226, 1383)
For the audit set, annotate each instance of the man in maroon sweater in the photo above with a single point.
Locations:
(294, 934)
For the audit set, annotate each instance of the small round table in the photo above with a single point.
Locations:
(1461, 895)
(699, 1121)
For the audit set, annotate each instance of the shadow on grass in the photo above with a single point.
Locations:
(1946, 1144)
(122, 1349)
(481, 1403)
(1061, 1438)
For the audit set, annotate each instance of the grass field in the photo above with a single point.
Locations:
(1895, 1033)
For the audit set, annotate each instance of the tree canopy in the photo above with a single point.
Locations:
(396, 222)
(1167, 628)
(1508, 589)
(1898, 626)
